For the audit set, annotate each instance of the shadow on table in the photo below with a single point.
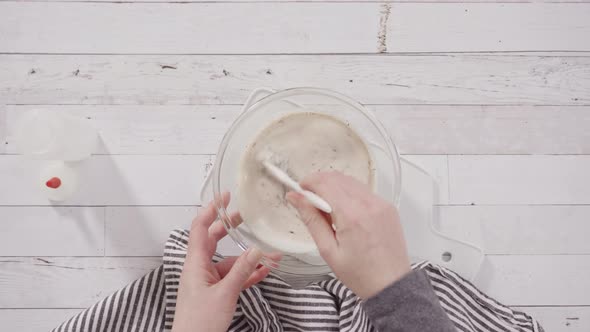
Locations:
(102, 184)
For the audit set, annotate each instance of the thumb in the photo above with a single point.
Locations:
(242, 270)
(320, 229)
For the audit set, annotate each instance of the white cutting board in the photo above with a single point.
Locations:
(424, 240)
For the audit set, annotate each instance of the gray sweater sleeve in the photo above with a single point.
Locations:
(408, 305)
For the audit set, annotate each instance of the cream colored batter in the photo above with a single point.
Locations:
(300, 144)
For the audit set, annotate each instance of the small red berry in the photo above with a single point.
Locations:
(53, 183)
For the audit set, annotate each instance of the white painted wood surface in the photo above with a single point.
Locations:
(34, 320)
(541, 279)
(453, 78)
(154, 223)
(487, 27)
(492, 98)
(143, 179)
(519, 179)
(113, 180)
(520, 229)
(570, 319)
(41, 282)
(212, 28)
(464, 129)
(52, 231)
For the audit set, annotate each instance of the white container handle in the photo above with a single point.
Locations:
(253, 97)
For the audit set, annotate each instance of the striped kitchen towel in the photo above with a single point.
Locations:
(148, 304)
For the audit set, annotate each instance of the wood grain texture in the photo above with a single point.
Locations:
(176, 180)
(3, 129)
(514, 280)
(416, 129)
(520, 230)
(151, 226)
(212, 28)
(141, 129)
(112, 180)
(54, 282)
(519, 179)
(371, 79)
(34, 320)
(51, 231)
(568, 319)
(488, 27)
(69, 27)
(140, 179)
(429, 129)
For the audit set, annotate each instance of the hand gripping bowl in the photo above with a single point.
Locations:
(256, 116)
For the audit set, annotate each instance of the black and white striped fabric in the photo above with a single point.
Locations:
(148, 304)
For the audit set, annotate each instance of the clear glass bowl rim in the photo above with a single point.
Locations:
(391, 150)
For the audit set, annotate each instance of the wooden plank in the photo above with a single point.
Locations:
(35, 320)
(536, 280)
(412, 79)
(51, 231)
(151, 226)
(79, 282)
(67, 282)
(135, 180)
(416, 129)
(474, 179)
(570, 319)
(112, 180)
(211, 28)
(506, 229)
(429, 129)
(145, 129)
(3, 129)
(70, 27)
(519, 179)
(475, 27)
(520, 230)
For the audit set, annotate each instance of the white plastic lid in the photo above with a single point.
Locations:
(36, 133)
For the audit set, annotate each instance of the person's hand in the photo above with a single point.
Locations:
(208, 292)
(367, 252)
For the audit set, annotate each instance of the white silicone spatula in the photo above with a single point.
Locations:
(285, 179)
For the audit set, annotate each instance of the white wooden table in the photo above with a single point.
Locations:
(492, 98)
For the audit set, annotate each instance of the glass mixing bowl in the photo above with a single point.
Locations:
(256, 117)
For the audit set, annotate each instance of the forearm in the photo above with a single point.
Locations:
(408, 305)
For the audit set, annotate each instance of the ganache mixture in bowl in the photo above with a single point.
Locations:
(300, 144)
